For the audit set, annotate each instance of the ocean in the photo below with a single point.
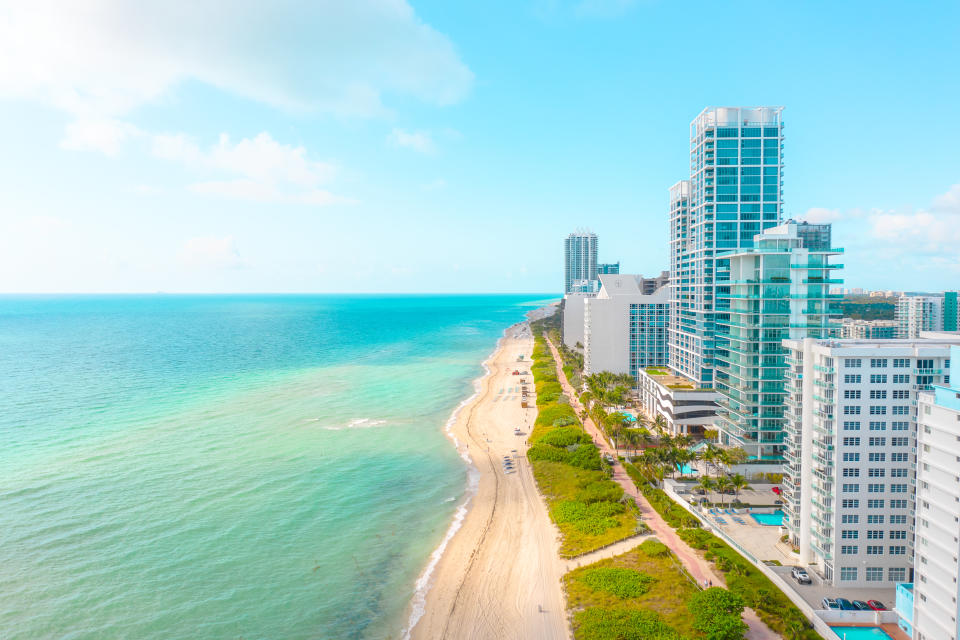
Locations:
(238, 467)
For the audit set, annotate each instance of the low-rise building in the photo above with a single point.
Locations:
(687, 409)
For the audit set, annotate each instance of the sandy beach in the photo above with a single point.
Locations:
(499, 576)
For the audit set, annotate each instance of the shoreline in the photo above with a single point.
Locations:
(496, 572)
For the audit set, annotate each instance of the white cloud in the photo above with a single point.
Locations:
(948, 202)
(100, 58)
(105, 135)
(211, 253)
(419, 141)
(819, 215)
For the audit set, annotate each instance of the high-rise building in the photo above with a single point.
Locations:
(734, 193)
(937, 546)
(608, 267)
(816, 237)
(851, 437)
(919, 313)
(580, 258)
(868, 329)
(777, 289)
(623, 328)
(951, 311)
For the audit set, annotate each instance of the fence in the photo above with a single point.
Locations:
(819, 624)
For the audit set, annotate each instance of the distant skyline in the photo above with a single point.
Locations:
(387, 146)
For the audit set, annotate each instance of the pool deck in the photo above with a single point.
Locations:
(889, 628)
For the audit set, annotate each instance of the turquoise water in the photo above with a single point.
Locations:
(861, 633)
(774, 519)
(229, 466)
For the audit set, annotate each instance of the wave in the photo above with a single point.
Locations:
(359, 423)
(422, 586)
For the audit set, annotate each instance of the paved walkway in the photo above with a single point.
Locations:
(701, 569)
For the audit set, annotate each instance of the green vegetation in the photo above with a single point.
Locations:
(867, 308)
(717, 614)
(742, 578)
(634, 595)
(589, 509)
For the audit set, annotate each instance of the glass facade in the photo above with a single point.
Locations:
(648, 336)
(734, 192)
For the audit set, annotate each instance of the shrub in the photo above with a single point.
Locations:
(592, 519)
(565, 436)
(654, 548)
(601, 623)
(564, 421)
(696, 538)
(603, 491)
(586, 456)
(717, 614)
(542, 451)
(619, 581)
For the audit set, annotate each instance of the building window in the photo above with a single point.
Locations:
(874, 550)
(878, 425)
(850, 503)
(897, 574)
(852, 394)
(877, 441)
(897, 550)
(874, 503)
(848, 518)
(851, 472)
(901, 363)
(851, 425)
(900, 426)
(898, 504)
(878, 394)
(875, 534)
(900, 378)
(898, 457)
(849, 549)
(901, 394)
(875, 488)
(851, 488)
(878, 378)
(876, 363)
(851, 378)
(874, 574)
(899, 442)
(898, 519)
(878, 457)
(851, 442)
(851, 363)
(848, 573)
(898, 488)
(874, 519)
(898, 473)
(851, 457)
(851, 411)
(898, 535)
(901, 410)
(878, 410)
(876, 473)
(849, 534)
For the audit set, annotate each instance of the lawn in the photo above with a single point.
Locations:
(639, 594)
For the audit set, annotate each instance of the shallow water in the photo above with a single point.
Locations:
(229, 466)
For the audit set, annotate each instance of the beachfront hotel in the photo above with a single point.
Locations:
(935, 588)
(778, 289)
(579, 261)
(849, 482)
(623, 328)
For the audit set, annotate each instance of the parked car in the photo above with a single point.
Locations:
(845, 604)
(861, 605)
(800, 575)
(876, 605)
(829, 603)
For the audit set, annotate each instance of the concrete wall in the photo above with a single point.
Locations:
(573, 319)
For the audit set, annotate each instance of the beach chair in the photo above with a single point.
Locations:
(721, 520)
(739, 520)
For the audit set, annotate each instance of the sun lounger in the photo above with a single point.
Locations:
(739, 520)
(721, 521)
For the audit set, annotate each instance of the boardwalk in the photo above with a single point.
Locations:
(701, 569)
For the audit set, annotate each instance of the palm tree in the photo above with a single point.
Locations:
(733, 456)
(722, 484)
(613, 425)
(586, 398)
(660, 423)
(644, 437)
(706, 484)
(739, 483)
(683, 458)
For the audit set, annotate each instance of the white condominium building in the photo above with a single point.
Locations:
(623, 328)
(868, 329)
(937, 547)
(572, 325)
(919, 313)
(850, 430)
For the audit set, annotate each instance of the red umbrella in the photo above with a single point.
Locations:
(776, 490)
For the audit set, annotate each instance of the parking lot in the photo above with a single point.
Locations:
(817, 591)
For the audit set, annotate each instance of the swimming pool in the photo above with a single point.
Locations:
(774, 519)
(861, 633)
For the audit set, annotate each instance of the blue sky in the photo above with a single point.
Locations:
(441, 146)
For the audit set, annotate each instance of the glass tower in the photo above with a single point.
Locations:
(734, 192)
(579, 258)
(778, 289)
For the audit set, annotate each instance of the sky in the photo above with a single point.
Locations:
(437, 146)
